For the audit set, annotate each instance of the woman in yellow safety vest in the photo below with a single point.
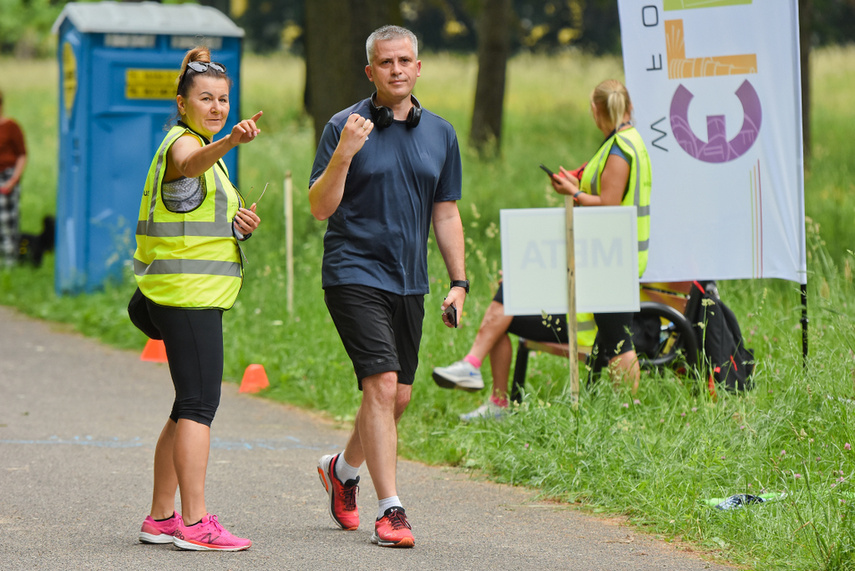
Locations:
(188, 266)
(619, 173)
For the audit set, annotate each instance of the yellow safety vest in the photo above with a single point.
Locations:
(586, 329)
(638, 189)
(188, 259)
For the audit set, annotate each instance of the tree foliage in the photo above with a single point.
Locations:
(442, 25)
(25, 26)
(335, 58)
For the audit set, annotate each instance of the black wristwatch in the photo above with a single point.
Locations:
(460, 283)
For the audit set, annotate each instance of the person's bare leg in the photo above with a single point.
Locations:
(375, 436)
(353, 453)
(500, 366)
(494, 327)
(192, 444)
(165, 477)
(625, 368)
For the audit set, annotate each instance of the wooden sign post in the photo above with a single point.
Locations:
(573, 346)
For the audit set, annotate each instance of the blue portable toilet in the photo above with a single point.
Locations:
(118, 66)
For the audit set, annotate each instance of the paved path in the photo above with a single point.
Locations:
(78, 423)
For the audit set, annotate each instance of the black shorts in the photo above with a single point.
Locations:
(552, 328)
(614, 333)
(614, 330)
(381, 331)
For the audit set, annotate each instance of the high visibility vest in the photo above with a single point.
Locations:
(188, 259)
(586, 329)
(639, 184)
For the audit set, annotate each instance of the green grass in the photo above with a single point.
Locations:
(654, 457)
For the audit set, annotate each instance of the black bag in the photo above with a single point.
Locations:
(138, 312)
(730, 364)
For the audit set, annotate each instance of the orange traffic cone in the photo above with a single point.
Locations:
(154, 351)
(254, 379)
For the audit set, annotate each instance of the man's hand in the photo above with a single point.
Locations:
(355, 133)
(456, 297)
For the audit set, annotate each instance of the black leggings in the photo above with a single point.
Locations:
(552, 328)
(194, 348)
(614, 330)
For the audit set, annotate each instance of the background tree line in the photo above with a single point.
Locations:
(442, 25)
(330, 35)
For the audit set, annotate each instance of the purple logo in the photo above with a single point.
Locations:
(717, 149)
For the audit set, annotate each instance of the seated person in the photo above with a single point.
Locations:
(619, 173)
(492, 339)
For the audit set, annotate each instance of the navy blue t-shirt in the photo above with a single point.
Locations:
(378, 235)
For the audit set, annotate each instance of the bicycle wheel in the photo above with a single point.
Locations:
(663, 337)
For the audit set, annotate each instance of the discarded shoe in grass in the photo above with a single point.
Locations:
(739, 500)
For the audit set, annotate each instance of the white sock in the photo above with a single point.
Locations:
(344, 471)
(387, 503)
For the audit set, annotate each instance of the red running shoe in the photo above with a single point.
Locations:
(393, 529)
(342, 495)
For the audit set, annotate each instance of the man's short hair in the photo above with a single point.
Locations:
(390, 33)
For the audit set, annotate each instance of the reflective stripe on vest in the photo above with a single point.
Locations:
(638, 186)
(188, 259)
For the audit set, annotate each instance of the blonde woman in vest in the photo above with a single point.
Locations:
(619, 173)
(188, 266)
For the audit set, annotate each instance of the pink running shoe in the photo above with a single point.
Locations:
(342, 494)
(159, 531)
(208, 535)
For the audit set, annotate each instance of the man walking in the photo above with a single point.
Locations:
(385, 169)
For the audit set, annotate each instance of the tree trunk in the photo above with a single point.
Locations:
(805, 33)
(493, 51)
(335, 35)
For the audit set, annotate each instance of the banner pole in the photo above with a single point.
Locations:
(804, 325)
(572, 342)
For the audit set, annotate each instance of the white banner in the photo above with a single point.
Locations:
(715, 86)
(534, 260)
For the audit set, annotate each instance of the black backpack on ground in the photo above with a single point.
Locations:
(728, 362)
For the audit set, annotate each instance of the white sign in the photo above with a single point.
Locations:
(716, 91)
(534, 260)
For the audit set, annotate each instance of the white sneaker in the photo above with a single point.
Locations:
(460, 375)
(488, 410)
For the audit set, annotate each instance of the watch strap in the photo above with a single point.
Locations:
(460, 283)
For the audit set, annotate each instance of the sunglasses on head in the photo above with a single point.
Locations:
(202, 66)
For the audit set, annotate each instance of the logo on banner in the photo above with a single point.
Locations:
(717, 148)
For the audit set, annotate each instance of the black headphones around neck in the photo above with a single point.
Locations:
(383, 116)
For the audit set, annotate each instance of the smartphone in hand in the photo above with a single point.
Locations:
(547, 171)
(451, 312)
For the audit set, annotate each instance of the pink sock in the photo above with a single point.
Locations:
(474, 361)
(503, 402)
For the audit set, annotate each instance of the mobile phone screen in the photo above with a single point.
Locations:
(547, 171)
(451, 312)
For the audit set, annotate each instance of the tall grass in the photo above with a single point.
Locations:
(656, 457)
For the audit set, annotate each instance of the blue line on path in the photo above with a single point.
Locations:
(288, 443)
